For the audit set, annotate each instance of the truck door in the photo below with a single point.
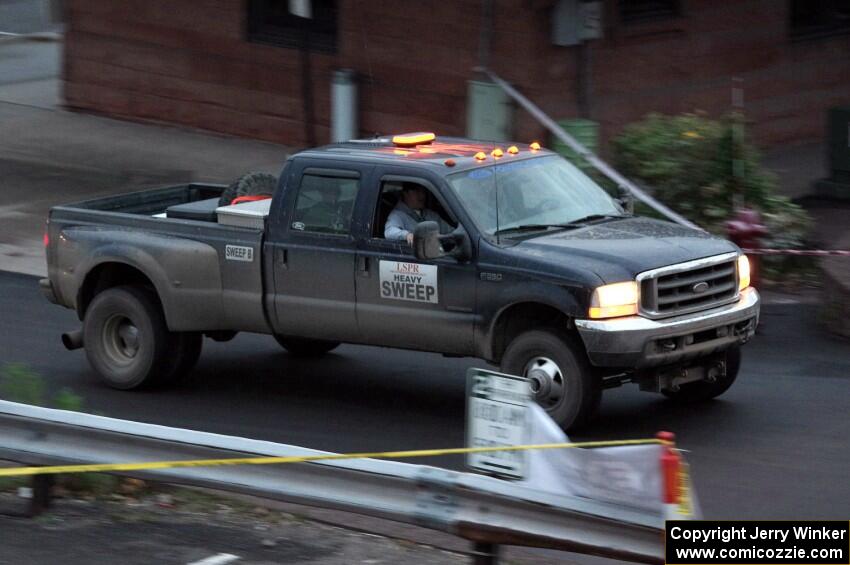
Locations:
(403, 302)
(313, 253)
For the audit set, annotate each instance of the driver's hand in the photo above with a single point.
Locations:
(410, 239)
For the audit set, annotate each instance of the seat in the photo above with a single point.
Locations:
(387, 202)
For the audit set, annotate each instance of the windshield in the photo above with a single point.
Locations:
(543, 191)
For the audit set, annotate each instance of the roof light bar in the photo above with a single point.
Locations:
(411, 139)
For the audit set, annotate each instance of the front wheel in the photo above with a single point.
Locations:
(702, 391)
(559, 374)
(303, 347)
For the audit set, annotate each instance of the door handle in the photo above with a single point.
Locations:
(363, 266)
(280, 257)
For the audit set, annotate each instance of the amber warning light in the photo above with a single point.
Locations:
(411, 139)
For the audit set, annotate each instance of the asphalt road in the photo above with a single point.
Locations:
(774, 447)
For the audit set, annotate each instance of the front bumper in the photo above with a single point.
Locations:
(637, 342)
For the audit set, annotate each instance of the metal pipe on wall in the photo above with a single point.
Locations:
(343, 105)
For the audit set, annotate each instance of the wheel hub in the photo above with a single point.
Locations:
(546, 381)
(121, 339)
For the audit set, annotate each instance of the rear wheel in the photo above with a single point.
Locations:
(560, 376)
(127, 342)
(303, 347)
(249, 184)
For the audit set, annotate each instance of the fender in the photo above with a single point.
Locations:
(565, 299)
(184, 272)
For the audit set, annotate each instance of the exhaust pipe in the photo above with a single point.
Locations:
(72, 340)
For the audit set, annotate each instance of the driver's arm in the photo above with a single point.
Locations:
(394, 228)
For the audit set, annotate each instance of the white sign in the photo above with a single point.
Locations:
(409, 281)
(497, 415)
(238, 253)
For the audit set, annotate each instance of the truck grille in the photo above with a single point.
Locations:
(688, 287)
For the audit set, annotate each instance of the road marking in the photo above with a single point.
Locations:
(219, 559)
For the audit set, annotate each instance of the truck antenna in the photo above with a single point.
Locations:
(496, 186)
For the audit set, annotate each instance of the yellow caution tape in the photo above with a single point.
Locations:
(152, 465)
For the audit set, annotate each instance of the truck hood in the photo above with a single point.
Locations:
(620, 249)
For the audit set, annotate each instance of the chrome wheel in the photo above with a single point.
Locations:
(546, 381)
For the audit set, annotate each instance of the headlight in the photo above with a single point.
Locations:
(612, 300)
(743, 272)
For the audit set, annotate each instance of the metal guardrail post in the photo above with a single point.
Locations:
(485, 553)
(586, 154)
(40, 501)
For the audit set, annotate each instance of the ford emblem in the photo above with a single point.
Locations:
(700, 287)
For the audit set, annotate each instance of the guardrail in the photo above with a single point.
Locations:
(486, 511)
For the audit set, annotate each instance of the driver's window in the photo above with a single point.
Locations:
(404, 204)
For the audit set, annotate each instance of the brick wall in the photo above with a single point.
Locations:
(188, 63)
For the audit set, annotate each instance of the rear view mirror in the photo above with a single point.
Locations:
(625, 199)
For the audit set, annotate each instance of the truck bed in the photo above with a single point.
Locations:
(152, 201)
(209, 276)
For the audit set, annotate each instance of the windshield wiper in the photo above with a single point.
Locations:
(532, 227)
(564, 226)
(595, 217)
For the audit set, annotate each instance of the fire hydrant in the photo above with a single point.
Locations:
(746, 230)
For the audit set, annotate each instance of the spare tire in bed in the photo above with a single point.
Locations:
(249, 184)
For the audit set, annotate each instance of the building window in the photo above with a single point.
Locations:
(297, 24)
(818, 18)
(636, 11)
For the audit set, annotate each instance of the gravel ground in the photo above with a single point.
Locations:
(186, 526)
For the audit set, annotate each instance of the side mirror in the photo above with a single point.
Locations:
(625, 199)
(428, 243)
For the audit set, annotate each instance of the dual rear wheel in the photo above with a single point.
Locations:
(128, 344)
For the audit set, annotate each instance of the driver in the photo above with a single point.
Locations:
(410, 211)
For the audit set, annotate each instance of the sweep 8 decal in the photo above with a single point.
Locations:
(409, 281)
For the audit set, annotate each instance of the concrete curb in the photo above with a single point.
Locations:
(835, 312)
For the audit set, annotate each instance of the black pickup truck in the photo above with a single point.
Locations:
(540, 272)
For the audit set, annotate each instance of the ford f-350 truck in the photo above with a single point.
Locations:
(542, 272)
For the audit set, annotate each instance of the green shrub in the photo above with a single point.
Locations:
(688, 161)
(19, 383)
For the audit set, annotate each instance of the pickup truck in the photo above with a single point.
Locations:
(541, 272)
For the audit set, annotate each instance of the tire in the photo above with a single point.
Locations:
(562, 381)
(127, 342)
(249, 184)
(303, 347)
(184, 352)
(703, 391)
